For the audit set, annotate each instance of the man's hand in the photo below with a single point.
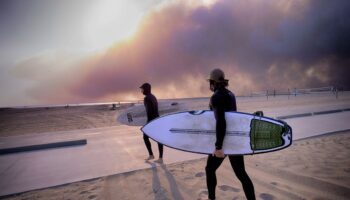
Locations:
(219, 153)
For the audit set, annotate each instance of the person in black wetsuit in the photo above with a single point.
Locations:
(151, 105)
(223, 100)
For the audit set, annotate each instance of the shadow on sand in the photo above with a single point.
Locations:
(160, 192)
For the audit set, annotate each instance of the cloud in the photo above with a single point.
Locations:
(259, 44)
(48, 76)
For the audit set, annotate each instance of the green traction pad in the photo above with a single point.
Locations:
(265, 135)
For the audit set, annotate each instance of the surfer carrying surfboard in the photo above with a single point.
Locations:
(151, 105)
(223, 100)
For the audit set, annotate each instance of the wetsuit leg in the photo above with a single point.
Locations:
(160, 148)
(148, 144)
(213, 164)
(237, 163)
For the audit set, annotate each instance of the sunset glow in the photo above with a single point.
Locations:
(111, 21)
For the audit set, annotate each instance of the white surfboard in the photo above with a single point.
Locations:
(194, 131)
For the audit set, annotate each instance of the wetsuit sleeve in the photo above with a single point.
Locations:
(149, 110)
(219, 114)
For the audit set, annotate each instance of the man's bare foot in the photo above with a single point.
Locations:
(150, 157)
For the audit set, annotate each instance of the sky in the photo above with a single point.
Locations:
(83, 51)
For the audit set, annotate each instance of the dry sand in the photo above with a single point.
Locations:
(314, 168)
(20, 121)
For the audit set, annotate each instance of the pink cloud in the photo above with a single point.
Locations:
(259, 44)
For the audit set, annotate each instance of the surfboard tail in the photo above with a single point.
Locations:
(265, 135)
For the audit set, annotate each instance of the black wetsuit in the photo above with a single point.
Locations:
(222, 101)
(151, 105)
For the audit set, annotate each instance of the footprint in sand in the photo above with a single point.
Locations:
(203, 193)
(280, 185)
(83, 192)
(265, 196)
(274, 183)
(228, 188)
(200, 174)
(92, 196)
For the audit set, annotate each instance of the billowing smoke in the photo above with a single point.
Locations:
(259, 44)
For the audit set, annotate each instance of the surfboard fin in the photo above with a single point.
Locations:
(259, 113)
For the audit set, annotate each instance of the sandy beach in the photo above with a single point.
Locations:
(316, 168)
(312, 168)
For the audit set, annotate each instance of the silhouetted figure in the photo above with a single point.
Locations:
(221, 101)
(151, 105)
